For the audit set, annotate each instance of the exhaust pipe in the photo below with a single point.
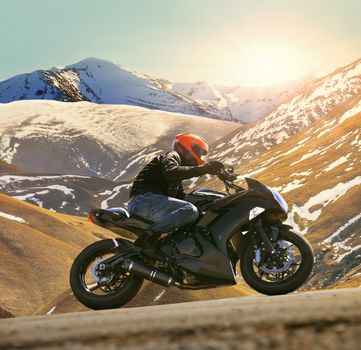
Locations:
(147, 273)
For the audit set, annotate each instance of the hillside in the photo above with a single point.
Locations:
(93, 145)
(99, 81)
(107, 141)
(312, 102)
(39, 247)
(70, 194)
(318, 174)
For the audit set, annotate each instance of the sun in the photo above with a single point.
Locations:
(267, 64)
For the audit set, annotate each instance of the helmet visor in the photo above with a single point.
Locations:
(204, 158)
(198, 150)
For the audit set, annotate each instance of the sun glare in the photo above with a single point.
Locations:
(267, 64)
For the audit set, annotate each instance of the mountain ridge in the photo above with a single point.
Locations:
(314, 101)
(100, 81)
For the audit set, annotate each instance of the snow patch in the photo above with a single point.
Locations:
(342, 228)
(322, 199)
(159, 295)
(306, 156)
(351, 112)
(337, 162)
(12, 217)
(8, 179)
(51, 310)
(293, 185)
(114, 193)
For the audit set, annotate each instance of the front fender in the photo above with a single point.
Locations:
(285, 226)
(235, 245)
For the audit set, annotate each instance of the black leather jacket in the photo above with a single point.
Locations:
(164, 175)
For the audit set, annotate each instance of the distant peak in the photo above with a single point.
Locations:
(93, 63)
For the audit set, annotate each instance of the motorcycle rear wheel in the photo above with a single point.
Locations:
(274, 287)
(122, 291)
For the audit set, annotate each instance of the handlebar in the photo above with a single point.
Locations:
(228, 177)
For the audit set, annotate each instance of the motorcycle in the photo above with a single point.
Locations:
(245, 226)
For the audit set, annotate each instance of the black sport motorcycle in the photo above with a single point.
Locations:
(245, 226)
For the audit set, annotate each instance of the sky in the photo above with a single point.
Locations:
(228, 42)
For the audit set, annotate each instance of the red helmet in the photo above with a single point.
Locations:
(192, 149)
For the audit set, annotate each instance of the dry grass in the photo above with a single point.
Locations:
(38, 255)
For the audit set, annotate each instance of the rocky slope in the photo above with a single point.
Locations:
(313, 102)
(100, 81)
(318, 174)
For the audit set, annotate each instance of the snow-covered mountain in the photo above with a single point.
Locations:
(311, 103)
(318, 173)
(70, 194)
(89, 146)
(245, 104)
(101, 81)
(207, 95)
(93, 139)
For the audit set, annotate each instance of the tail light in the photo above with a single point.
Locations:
(90, 218)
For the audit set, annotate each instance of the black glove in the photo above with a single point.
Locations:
(227, 177)
(213, 167)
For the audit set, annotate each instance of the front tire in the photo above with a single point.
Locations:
(274, 287)
(122, 294)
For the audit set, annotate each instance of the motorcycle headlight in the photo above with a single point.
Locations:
(280, 200)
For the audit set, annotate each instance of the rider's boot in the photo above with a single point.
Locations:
(148, 244)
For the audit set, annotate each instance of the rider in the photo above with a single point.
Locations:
(157, 193)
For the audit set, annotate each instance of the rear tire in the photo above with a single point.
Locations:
(121, 296)
(281, 287)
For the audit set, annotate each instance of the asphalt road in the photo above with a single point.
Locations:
(312, 320)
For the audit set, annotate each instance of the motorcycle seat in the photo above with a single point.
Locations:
(118, 211)
(135, 221)
(119, 217)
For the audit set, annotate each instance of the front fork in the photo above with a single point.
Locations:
(266, 241)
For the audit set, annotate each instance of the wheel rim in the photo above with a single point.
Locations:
(100, 282)
(277, 268)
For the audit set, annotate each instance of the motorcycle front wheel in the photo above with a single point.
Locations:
(98, 289)
(279, 273)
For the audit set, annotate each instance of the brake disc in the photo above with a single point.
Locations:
(99, 277)
(287, 261)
